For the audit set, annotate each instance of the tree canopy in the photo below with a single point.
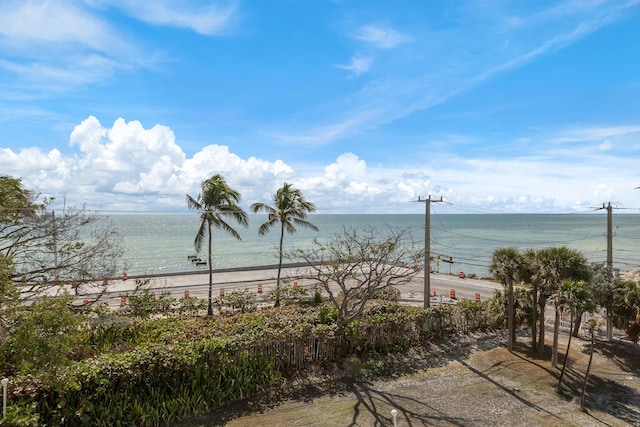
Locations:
(355, 265)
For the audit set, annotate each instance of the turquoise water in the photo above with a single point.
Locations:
(160, 243)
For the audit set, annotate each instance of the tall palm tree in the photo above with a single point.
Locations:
(216, 202)
(506, 265)
(289, 209)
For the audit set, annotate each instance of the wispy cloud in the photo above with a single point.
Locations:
(606, 145)
(321, 135)
(357, 66)
(208, 18)
(454, 61)
(382, 37)
(41, 28)
(53, 46)
(593, 133)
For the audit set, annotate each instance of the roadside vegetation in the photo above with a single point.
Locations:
(74, 361)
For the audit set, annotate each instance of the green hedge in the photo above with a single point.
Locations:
(150, 385)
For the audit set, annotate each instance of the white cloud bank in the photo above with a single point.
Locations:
(127, 167)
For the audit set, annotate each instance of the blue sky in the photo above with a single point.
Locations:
(497, 106)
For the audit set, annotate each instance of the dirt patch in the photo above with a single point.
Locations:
(472, 381)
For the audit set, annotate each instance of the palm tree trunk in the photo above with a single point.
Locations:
(566, 357)
(543, 304)
(277, 302)
(210, 307)
(577, 322)
(556, 333)
(534, 319)
(586, 376)
(510, 320)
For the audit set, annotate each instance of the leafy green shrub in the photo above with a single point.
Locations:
(22, 416)
(327, 315)
(144, 303)
(44, 336)
(317, 297)
(109, 329)
(190, 306)
(498, 306)
(388, 293)
(474, 314)
(239, 299)
(289, 295)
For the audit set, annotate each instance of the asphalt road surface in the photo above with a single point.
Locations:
(197, 285)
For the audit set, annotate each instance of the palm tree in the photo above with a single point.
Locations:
(583, 301)
(529, 277)
(572, 294)
(216, 202)
(593, 324)
(554, 265)
(506, 265)
(289, 209)
(631, 297)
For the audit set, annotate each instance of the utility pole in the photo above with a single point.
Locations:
(55, 247)
(609, 237)
(427, 248)
(609, 210)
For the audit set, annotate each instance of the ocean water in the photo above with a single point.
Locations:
(160, 243)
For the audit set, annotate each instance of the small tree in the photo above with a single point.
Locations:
(68, 247)
(354, 265)
(604, 287)
(44, 336)
(16, 202)
(144, 303)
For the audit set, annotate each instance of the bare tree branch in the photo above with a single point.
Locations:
(355, 265)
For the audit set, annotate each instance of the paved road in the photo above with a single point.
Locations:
(228, 280)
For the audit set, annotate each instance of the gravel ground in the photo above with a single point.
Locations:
(472, 381)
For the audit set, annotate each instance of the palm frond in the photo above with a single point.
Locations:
(305, 224)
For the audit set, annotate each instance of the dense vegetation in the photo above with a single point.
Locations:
(146, 365)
